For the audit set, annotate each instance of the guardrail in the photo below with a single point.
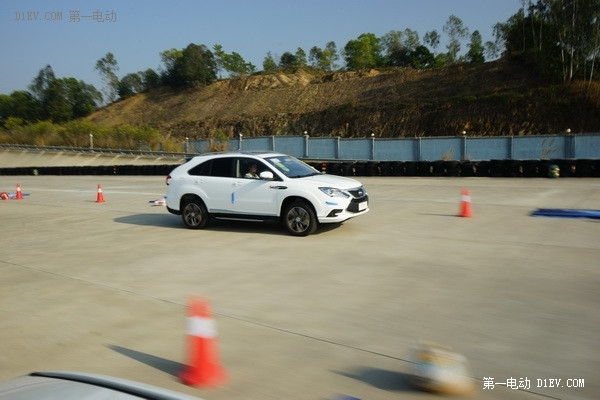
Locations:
(94, 151)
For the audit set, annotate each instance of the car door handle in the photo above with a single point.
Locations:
(278, 187)
(236, 184)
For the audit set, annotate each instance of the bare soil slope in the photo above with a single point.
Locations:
(490, 99)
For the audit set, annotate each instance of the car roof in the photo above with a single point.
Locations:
(255, 153)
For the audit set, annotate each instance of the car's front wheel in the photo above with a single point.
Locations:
(194, 213)
(299, 218)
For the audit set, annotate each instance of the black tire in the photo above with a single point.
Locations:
(334, 169)
(410, 168)
(482, 168)
(397, 168)
(347, 169)
(194, 213)
(424, 168)
(466, 168)
(299, 218)
(584, 168)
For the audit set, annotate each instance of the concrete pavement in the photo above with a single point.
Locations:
(103, 288)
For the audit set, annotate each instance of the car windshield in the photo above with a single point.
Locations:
(291, 166)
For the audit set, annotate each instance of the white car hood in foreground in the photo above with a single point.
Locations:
(67, 385)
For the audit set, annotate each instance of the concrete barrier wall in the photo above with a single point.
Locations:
(12, 158)
(564, 146)
(30, 160)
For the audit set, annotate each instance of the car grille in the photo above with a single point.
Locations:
(358, 192)
(359, 195)
(353, 206)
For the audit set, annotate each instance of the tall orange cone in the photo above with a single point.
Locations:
(465, 204)
(100, 196)
(203, 368)
(19, 194)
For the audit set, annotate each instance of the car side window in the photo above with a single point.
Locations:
(222, 167)
(246, 171)
(202, 169)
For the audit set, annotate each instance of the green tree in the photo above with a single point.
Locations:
(324, 59)
(399, 57)
(476, 49)
(421, 58)
(57, 106)
(300, 57)
(150, 79)
(233, 63)
(169, 58)
(42, 82)
(577, 27)
(13, 123)
(54, 99)
(236, 65)
(403, 49)
(493, 49)
(440, 60)
(394, 48)
(363, 52)
(19, 104)
(315, 55)
(269, 63)
(68, 98)
(560, 38)
(432, 39)
(130, 85)
(85, 98)
(287, 59)
(195, 67)
(107, 67)
(411, 39)
(456, 32)
(220, 56)
(330, 56)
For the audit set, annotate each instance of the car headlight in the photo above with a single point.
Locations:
(333, 192)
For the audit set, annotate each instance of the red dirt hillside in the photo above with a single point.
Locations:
(490, 99)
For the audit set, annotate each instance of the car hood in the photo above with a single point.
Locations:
(340, 182)
(67, 385)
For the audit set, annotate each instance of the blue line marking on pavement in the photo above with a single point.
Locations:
(566, 213)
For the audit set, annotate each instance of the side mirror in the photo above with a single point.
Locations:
(266, 175)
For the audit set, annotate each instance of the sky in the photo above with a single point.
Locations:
(71, 36)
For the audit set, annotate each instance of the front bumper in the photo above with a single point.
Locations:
(342, 212)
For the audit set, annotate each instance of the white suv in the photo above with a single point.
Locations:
(261, 186)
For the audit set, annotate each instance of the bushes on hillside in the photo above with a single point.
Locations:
(81, 133)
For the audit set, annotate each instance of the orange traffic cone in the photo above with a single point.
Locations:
(203, 368)
(100, 197)
(465, 204)
(19, 194)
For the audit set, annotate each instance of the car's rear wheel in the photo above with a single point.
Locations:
(194, 213)
(299, 218)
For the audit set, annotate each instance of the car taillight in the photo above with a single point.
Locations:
(168, 179)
